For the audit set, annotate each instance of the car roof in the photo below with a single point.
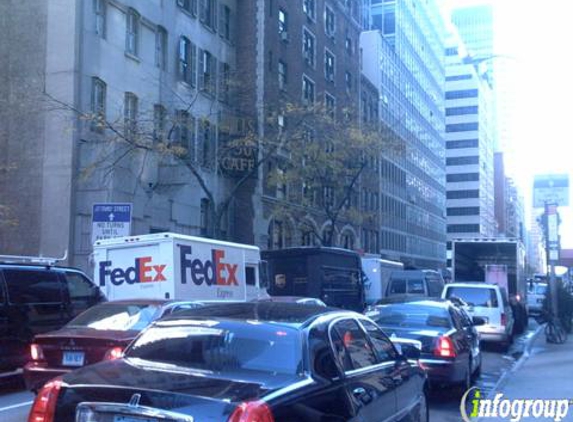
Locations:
(38, 267)
(474, 284)
(273, 312)
(142, 301)
(433, 302)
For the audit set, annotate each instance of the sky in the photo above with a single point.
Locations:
(538, 35)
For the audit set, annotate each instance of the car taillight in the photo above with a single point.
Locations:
(445, 348)
(252, 411)
(113, 353)
(503, 320)
(36, 352)
(44, 407)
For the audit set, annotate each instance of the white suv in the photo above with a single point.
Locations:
(491, 303)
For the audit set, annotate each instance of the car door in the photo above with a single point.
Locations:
(11, 355)
(472, 336)
(368, 382)
(406, 382)
(462, 338)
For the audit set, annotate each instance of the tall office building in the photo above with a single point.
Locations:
(469, 145)
(404, 57)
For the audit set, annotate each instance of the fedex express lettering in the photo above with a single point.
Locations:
(212, 272)
(141, 272)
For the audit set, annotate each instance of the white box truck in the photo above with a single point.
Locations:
(175, 266)
(377, 272)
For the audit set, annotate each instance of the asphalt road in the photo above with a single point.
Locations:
(444, 406)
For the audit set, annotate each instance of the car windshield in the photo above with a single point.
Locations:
(221, 346)
(410, 286)
(540, 289)
(117, 316)
(474, 296)
(411, 316)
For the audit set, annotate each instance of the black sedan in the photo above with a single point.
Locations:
(244, 362)
(446, 335)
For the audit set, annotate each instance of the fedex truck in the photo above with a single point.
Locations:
(175, 266)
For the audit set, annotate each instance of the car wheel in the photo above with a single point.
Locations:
(423, 409)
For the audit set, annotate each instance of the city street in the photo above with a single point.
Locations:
(15, 404)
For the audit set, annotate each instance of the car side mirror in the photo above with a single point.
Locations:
(476, 320)
(410, 351)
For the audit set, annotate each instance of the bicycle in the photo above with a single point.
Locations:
(554, 331)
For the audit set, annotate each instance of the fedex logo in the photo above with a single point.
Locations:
(142, 272)
(211, 272)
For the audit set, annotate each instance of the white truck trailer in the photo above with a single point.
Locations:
(175, 266)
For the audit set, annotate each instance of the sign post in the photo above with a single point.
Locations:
(110, 220)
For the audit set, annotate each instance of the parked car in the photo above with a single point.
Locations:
(489, 302)
(535, 296)
(244, 362)
(427, 283)
(36, 298)
(100, 333)
(445, 334)
(292, 299)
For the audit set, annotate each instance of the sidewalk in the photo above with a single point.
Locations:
(545, 371)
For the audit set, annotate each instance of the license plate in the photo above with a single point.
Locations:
(122, 418)
(73, 359)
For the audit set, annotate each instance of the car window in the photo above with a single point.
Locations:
(397, 287)
(79, 287)
(353, 348)
(411, 315)
(230, 346)
(474, 296)
(117, 316)
(465, 318)
(541, 289)
(30, 286)
(435, 287)
(416, 287)
(457, 319)
(382, 345)
(251, 275)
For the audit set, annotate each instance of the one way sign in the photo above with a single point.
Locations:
(110, 220)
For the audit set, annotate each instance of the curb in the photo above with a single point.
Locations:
(520, 362)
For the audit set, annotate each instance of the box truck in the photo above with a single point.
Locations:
(377, 273)
(175, 266)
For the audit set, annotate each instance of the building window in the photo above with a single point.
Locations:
(307, 91)
(100, 17)
(225, 82)
(463, 143)
(279, 235)
(225, 24)
(463, 93)
(204, 218)
(457, 211)
(189, 6)
(462, 194)
(389, 22)
(459, 111)
(207, 141)
(187, 59)
(458, 78)
(282, 71)
(159, 117)
(308, 47)
(98, 104)
(161, 48)
(208, 13)
(283, 23)
(463, 228)
(330, 104)
(462, 161)
(329, 66)
(132, 33)
(452, 51)
(328, 196)
(348, 81)
(329, 21)
(349, 44)
(130, 114)
(207, 69)
(462, 127)
(309, 8)
(462, 177)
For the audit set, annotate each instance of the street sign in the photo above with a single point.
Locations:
(110, 220)
(551, 189)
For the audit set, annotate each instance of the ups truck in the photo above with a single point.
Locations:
(333, 275)
(499, 261)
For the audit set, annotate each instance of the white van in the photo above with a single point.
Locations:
(490, 302)
(175, 266)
